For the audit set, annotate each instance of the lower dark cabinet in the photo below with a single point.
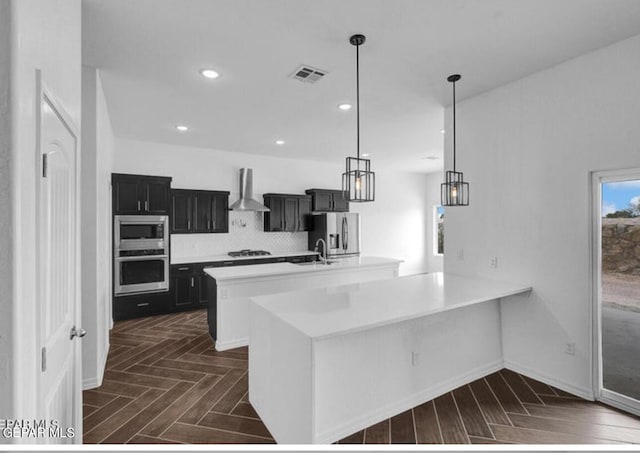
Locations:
(188, 287)
(181, 285)
(140, 305)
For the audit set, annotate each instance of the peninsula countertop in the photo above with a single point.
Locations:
(222, 274)
(338, 310)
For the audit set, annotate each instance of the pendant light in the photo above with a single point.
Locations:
(358, 181)
(454, 191)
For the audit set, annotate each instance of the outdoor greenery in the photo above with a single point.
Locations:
(632, 211)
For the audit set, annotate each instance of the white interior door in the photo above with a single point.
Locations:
(616, 288)
(57, 294)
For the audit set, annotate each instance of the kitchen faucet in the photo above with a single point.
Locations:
(323, 255)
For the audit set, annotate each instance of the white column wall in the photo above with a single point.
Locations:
(6, 256)
(97, 163)
(45, 35)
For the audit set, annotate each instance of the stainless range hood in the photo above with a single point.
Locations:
(246, 201)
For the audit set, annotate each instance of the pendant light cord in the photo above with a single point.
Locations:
(454, 126)
(358, 101)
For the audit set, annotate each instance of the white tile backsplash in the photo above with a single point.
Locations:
(245, 232)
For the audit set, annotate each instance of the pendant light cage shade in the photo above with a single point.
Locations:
(359, 182)
(454, 191)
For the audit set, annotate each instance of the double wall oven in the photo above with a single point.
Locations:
(141, 254)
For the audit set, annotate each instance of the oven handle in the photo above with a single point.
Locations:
(142, 258)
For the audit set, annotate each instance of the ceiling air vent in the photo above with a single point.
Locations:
(308, 74)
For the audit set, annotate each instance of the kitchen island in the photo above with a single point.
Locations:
(231, 287)
(328, 362)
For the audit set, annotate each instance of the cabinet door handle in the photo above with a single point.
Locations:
(192, 282)
(183, 268)
(213, 227)
(144, 304)
(138, 205)
(188, 224)
(146, 205)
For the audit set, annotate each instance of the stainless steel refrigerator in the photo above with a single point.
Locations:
(340, 231)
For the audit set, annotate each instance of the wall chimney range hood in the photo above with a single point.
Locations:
(246, 201)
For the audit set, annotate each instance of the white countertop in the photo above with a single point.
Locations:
(338, 310)
(217, 258)
(267, 270)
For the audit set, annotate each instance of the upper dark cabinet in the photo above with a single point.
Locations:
(324, 200)
(288, 212)
(199, 211)
(140, 194)
(181, 210)
(304, 214)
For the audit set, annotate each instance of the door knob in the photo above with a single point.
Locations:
(77, 333)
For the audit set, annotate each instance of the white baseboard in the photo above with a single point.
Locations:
(96, 381)
(226, 345)
(621, 402)
(582, 392)
(409, 402)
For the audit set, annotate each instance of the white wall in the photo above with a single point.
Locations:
(45, 34)
(6, 271)
(392, 226)
(527, 149)
(97, 164)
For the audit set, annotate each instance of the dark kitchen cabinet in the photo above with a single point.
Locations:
(304, 214)
(324, 200)
(288, 212)
(202, 212)
(140, 194)
(274, 219)
(188, 287)
(181, 211)
(140, 305)
(180, 284)
(199, 211)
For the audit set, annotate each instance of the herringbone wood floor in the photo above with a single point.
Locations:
(165, 383)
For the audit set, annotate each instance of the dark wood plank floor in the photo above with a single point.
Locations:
(165, 383)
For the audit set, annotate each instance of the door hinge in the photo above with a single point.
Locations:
(44, 165)
(44, 359)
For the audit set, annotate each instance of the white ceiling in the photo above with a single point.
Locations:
(150, 52)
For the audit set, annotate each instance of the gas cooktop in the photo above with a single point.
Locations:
(247, 252)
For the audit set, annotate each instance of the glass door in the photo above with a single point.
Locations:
(617, 276)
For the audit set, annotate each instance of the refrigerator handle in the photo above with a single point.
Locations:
(345, 234)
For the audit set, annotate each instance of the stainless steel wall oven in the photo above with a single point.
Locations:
(141, 254)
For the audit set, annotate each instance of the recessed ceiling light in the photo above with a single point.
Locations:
(279, 142)
(365, 154)
(209, 73)
(344, 107)
(182, 128)
(442, 131)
